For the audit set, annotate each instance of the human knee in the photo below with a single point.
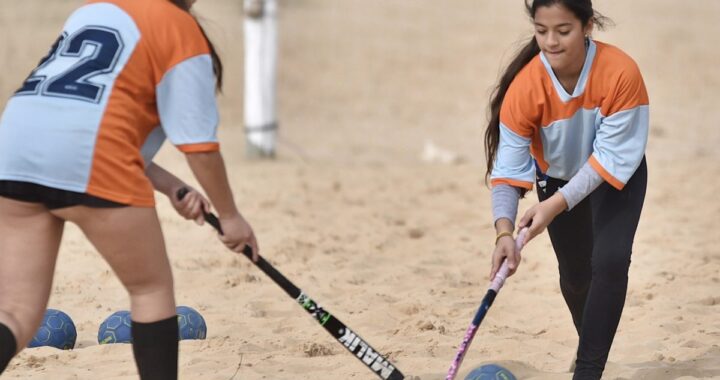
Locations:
(611, 265)
(575, 284)
(152, 305)
(150, 286)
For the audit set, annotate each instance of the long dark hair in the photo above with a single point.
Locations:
(217, 63)
(583, 10)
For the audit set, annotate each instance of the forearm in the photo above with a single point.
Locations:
(584, 182)
(162, 180)
(505, 200)
(209, 170)
(556, 204)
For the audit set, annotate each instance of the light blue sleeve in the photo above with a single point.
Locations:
(186, 102)
(620, 143)
(513, 163)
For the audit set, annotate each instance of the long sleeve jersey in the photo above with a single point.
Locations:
(604, 122)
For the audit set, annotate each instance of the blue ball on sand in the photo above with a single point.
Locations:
(191, 325)
(490, 372)
(116, 328)
(56, 330)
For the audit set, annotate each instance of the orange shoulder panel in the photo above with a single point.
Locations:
(171, 34)
(522, 106)
(618, 78)
(174, 36)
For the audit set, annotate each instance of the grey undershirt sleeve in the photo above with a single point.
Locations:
(505, 200)
(584, 182)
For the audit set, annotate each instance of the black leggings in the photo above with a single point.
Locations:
(593, 243)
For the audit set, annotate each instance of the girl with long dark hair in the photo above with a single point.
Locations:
(570, 114)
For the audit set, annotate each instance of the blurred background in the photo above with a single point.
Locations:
(376, 78)
(375, 203)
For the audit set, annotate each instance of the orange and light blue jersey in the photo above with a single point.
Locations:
(603, 122)
(122, 76)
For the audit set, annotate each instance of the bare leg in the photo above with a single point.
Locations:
(29, 240)
(131, 241)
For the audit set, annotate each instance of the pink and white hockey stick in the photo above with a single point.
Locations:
(487, 301)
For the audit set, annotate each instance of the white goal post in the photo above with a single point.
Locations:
(261, 124)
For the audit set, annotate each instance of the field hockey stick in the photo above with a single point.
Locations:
(369, 356)
(497, 283)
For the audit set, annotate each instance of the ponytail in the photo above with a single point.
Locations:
(216, 61)
(492, 133)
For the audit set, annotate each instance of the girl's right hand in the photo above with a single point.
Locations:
(237, 233)
(505, 250)
(192, 205)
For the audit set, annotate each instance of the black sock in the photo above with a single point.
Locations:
(155, 346)
(8, 346)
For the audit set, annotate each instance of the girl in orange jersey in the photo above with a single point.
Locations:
(75, 138)
(571, 115)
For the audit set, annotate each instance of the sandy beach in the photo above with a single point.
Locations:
(390, 238)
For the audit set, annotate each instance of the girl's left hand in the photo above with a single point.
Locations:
(538, 217)
(192, 205)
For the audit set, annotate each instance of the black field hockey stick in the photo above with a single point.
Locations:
(369, 356)
(487, 301)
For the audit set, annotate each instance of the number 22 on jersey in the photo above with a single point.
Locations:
(73, 61)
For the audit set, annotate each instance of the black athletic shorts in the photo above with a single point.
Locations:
(50, 197)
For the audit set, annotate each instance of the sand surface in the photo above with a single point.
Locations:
(393, 242)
